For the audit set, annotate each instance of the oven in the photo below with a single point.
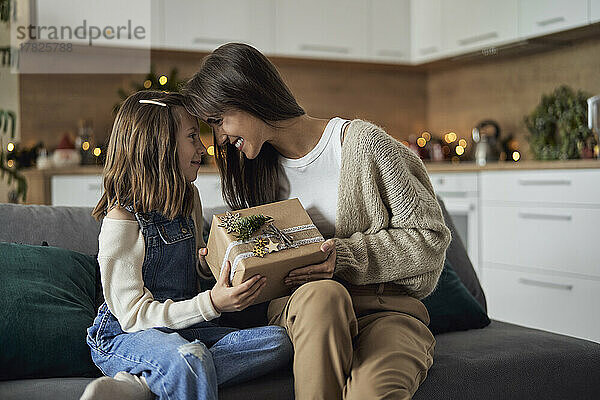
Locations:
(459, 191)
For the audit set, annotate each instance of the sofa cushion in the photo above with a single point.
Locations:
(506, 361)
(458, 257)
(46, 305)
(451, 307)
(71, 228)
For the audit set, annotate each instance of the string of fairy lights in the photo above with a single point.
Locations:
(452, 147)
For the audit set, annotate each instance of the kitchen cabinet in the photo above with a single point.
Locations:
(208, 24)
(541, 17)
(426, 29)
(557, 303)
(157, 23)
(594, 11)
(76, 190)
(474, 25)
(389, 26)
(95, 22)
(538, 241)
(334, 29)
(209, 187)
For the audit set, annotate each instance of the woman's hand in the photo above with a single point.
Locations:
(226, 298)
(314, 272)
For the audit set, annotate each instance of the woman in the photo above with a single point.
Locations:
(358, 328)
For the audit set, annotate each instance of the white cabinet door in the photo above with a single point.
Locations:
(553, 239)
(76, 190)
(209, 186)
(207, 24)
(95, 22)
(469, 25)
(557, 303)
(594, 11)
(426, 29)
(157, 23)
(390, 31)
(333, 29)
(540, 17)
(554, 187)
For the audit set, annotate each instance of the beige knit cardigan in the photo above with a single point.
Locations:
(389, 226)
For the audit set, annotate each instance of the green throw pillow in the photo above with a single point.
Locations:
(46, 305)
(451, 307)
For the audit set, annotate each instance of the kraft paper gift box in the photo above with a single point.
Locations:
(289, 217)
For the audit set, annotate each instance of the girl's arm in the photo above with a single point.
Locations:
(121, 256)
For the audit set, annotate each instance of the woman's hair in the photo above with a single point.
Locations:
(142, 168)
(238, 77)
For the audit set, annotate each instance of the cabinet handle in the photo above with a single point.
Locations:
(478, 38)
(390, 53)
(545, 216)
(216, 42)
(550, 285)
(428, 50)
(544, 182)
(452, 194)
(324, 48)
(550, 21)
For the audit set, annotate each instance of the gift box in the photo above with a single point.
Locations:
(286, 239)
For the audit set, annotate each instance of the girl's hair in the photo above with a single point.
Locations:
(142, 168)
(238, 77)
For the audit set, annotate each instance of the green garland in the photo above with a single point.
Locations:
(4, 10)
(558, 125)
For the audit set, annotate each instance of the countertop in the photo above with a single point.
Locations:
(91, 170)
(432, 167)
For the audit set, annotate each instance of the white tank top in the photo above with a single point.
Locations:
(314, 178)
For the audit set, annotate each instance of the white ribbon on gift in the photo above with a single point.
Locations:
(249, 254)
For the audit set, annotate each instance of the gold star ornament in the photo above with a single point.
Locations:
(272, 246)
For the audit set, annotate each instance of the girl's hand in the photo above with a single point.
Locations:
(202, 253)
(226, 298)
(314, 272)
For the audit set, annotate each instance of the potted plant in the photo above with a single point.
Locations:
(558, 126)
(8, 164)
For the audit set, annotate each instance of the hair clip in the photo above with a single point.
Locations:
(155, 102)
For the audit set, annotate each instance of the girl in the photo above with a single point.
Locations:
(152, 332)
(358, 327)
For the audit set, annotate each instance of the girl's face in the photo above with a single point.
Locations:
(243, 130)
(189, 147)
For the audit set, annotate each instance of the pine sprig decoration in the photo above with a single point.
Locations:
(243, 227)
(246, 226)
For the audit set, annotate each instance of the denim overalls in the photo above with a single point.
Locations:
(191, 362)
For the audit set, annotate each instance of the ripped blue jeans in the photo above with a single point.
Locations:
(188, 363)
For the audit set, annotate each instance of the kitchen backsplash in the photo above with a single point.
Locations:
(404, 100)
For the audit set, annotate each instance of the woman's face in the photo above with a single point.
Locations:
(243, 130)
(189, 147)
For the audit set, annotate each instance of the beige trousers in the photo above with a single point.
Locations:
(362, 345)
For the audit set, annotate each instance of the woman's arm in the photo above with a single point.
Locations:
(390, 227)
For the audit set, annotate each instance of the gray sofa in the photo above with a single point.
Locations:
(497, 362)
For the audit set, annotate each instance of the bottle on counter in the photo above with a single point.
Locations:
(84, 141)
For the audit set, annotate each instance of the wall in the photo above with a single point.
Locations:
(9, 100)
(403, 100)
(389, 95)
(506, 90)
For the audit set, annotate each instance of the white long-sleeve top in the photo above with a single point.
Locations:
(121, 256)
